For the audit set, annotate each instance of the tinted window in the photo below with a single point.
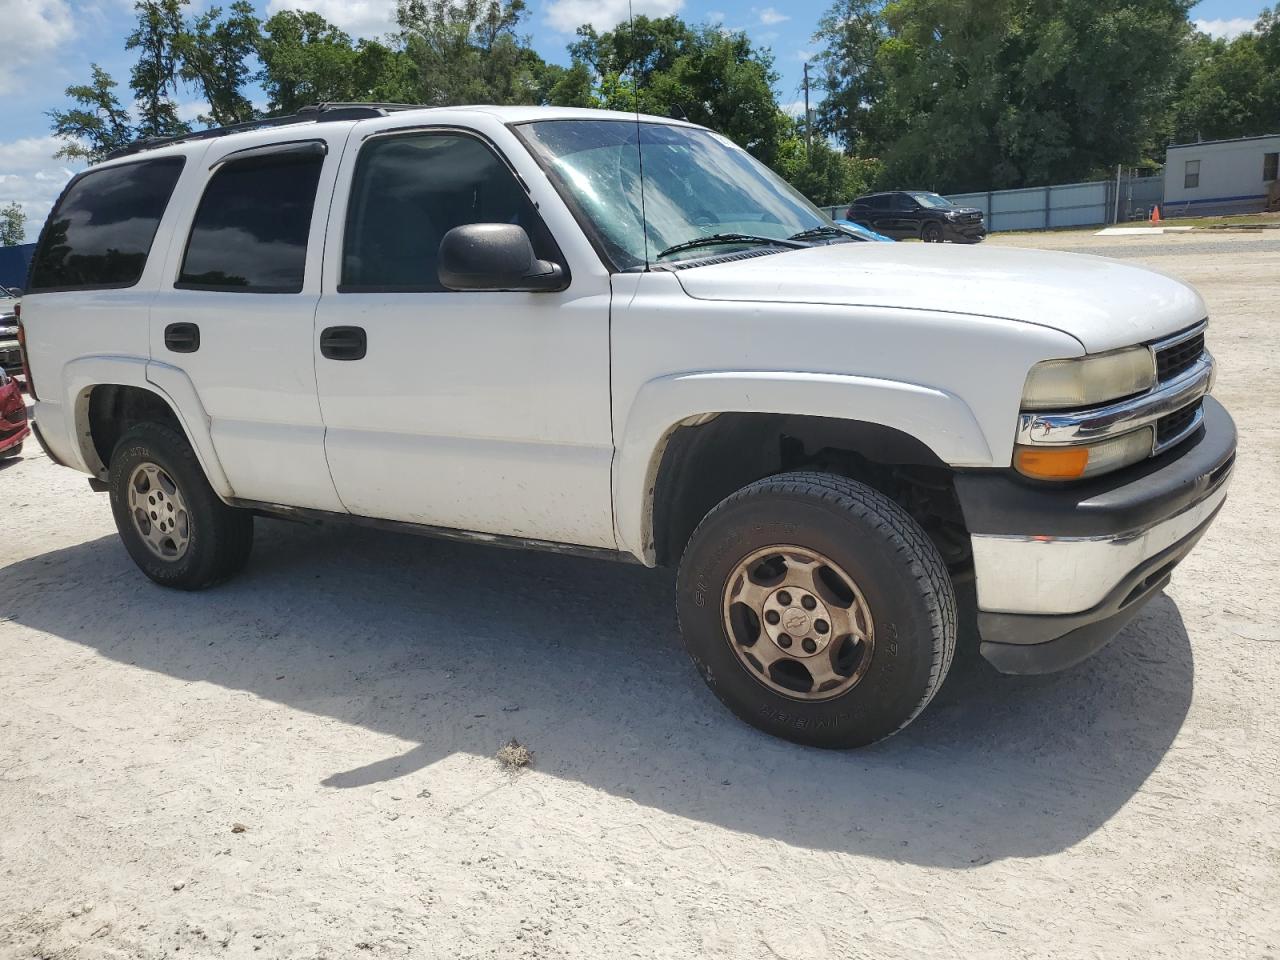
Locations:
(408, 192)
(882, 202)
(250, 231)
(903, 203)
(100, 232)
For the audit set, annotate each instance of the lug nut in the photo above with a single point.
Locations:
(784, 641)
(809, 645)
(821, 626)
(808, 602)
(771, 617)
(784, 598)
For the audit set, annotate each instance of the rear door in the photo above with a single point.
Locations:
(237, 304)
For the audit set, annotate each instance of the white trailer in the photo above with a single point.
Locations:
(1220, 176)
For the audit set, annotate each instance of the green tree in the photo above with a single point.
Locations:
(1007, 93)
(13, 225)
(704, 74)
(97, 124)
(851, 33)
(1231, 88)
(214, 54)
(823, 174)
(154, 78)
(305, 60)
(468, 51)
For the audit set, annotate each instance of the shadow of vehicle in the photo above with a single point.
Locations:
(457, 647)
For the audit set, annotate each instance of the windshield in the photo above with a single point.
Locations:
(933, 200)
(696, 184)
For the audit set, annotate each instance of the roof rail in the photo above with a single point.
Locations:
(314, 113)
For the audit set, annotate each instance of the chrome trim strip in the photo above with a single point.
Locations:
(1100, 423)
(1178, 338)
(1052, 575)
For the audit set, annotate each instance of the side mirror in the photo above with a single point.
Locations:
(16, 292)
(495, 256)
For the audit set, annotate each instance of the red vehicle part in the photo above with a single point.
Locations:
(13, 416)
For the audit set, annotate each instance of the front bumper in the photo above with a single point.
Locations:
(1060, 570)
(967, 231)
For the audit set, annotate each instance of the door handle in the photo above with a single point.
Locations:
(182, 337)
(343, 343)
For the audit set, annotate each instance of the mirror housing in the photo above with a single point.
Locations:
(495, 256)
(16, 292)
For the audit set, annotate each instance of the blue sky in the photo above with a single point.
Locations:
(50, 44)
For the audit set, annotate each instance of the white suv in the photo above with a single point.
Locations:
(624, 337)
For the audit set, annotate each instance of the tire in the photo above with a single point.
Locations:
(902, 601)
(15, 451)
(209, 541)
(932, 233)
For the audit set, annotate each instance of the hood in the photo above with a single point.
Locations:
(1102, 303)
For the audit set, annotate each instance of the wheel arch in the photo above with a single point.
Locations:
(105, 395)
(694, 437)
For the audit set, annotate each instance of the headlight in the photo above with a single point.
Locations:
(1088, 381)
(1074, 462)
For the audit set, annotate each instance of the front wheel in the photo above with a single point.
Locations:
(172, 523)
(932, 233)
(817, 610)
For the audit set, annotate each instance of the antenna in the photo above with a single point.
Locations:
(635, 88)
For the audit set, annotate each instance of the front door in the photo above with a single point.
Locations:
(476, 411)
(237, 305)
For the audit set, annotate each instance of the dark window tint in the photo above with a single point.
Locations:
(100, 233)
(250, 231)
(408, 192)
(1191, 180)
(1271, 166)
(882, 202)
(903, 203)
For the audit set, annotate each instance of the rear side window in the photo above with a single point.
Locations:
(100, 233)
(250, 230)
(409, 191)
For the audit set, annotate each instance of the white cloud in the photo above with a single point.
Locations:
(360, 18)
(804, 55)
(33, 30)
(192, 110)
(715, 16)
(794, 109)
(1226, 28)
(32, 178)
(769, 16)
(566, 16)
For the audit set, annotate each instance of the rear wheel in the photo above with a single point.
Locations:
(817, 610)
(172, 523)
(932, 233)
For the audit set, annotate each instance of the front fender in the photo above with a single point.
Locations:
(65, 424)
(938, 419)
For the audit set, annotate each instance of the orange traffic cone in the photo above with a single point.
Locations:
(1155, 213)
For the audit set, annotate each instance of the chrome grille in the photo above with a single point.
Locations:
(1179, 356)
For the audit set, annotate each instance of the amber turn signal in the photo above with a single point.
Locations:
(1052, 463)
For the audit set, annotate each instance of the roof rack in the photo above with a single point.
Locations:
(315, 113)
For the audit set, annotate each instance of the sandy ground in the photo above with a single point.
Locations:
(344, 700)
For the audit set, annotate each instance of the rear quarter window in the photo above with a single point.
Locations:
(100, 232)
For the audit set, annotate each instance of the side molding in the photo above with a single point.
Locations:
(940, 420)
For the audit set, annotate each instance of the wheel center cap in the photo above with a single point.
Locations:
(796, 621)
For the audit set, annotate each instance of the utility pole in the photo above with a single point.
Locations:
(808, 120)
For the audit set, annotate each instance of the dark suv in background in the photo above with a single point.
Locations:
(912, 214)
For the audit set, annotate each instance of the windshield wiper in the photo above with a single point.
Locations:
(715, 239)
(813, 233)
